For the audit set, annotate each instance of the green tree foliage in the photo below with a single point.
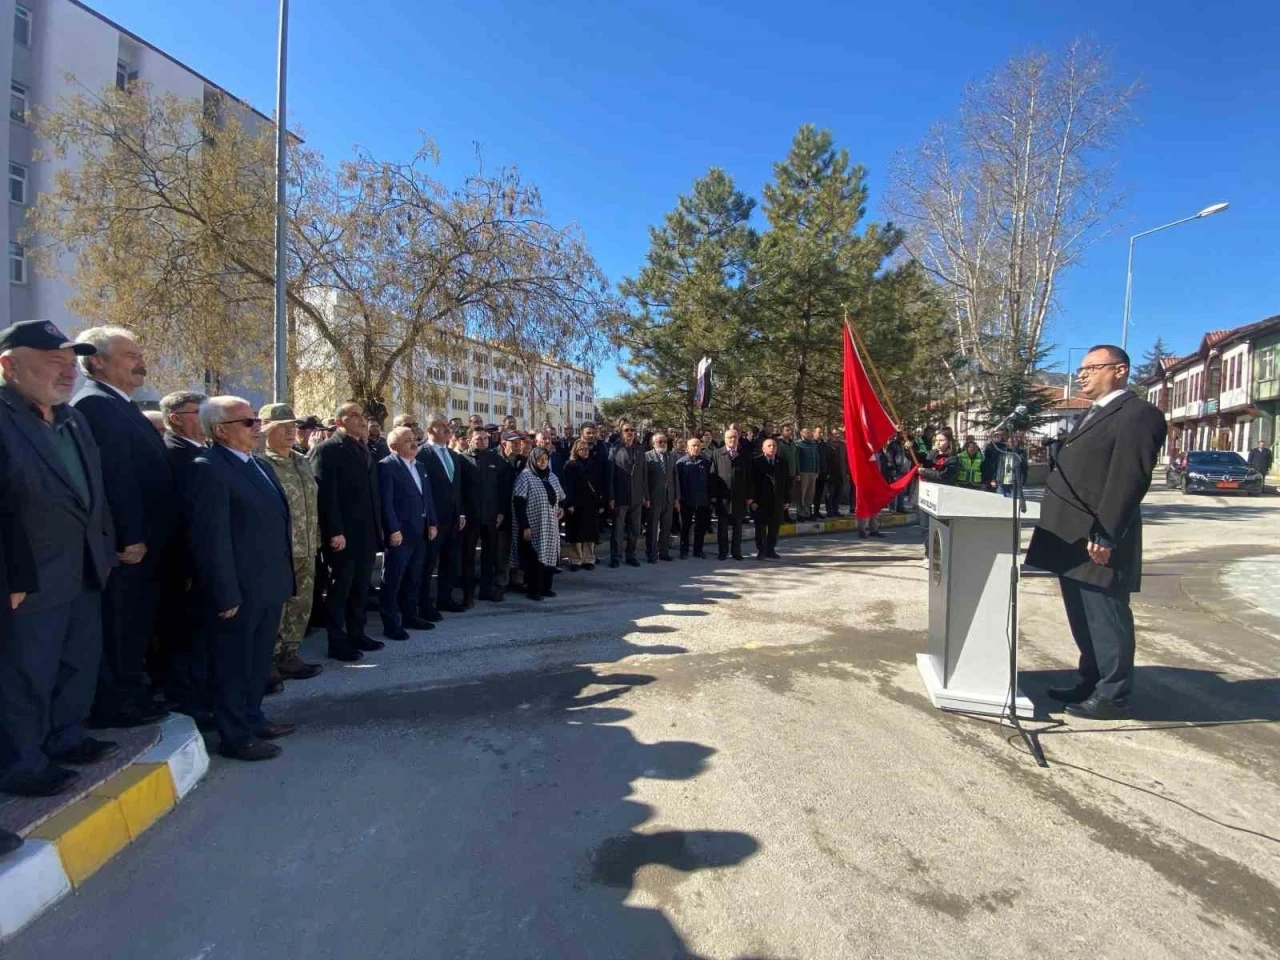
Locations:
(1150, 365)
(689, 300)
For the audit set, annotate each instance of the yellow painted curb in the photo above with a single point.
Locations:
(87, 834)
(145, 793)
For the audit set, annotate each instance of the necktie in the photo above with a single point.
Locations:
(1089, 415)
(258, 476)
(443, 454)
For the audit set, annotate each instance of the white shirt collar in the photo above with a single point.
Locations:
(118, 392)
(244, 457)
(1109, 397)
(411, 464)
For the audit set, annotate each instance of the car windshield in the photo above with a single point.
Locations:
(1215, 459)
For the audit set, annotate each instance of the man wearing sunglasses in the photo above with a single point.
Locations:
(240, 529)
(626, 484)
(1090, 530)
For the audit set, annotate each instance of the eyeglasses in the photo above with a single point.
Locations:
(186, 413)
(245, 421)
(628, 430)
(1095, 367)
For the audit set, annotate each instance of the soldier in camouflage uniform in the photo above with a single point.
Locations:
(280, 432)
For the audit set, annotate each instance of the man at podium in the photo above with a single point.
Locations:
(1090, 530)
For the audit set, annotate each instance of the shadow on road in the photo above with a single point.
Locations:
(1175, 695)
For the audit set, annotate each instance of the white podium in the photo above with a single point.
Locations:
(969, 542)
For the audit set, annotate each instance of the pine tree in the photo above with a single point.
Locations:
(1150, 365)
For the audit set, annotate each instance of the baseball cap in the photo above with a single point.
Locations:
(41, 335)
(277, 413)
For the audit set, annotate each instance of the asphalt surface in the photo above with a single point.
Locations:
(738, 760)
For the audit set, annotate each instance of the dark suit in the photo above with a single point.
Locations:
(242, 557)
(664, 491)
(49, 661)
(182, 653)
(408, 511)
(771, 487)
(731, 489)
(1094, 494)
(445, 552)
(349, 507)
(144, 508)
(486, 492)
(626, 487)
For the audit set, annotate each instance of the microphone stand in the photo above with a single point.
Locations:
(1019, 502)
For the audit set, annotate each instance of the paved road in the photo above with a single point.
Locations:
(736, 760)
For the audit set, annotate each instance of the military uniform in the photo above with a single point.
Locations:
(298, 481)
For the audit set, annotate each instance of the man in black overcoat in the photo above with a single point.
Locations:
(350, 531)
(731, 481)
(444, 553)
(770, 496)
(1090, 530)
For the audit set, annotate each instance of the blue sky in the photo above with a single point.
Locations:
(614, 108)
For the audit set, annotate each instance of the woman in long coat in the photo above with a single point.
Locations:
(583, 503)
(536, 500)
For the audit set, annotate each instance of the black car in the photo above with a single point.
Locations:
(1213, 471)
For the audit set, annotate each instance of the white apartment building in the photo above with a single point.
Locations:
(475, 378)
(47, 41)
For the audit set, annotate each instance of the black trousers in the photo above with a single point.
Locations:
(537, 576)
(484, 535)
(48, 671)
(129, 605)
(442, 556)
(835, 484)
(350, 571)
(728, 529)
(1102, 627)
(242, 649)
(185, 647)
(695, 520)
(819, 486)
(767, 524)
(626, 521)
(401, 586)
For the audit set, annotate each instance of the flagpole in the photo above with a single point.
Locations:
(868, 362)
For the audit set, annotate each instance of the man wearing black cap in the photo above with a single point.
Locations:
(306, 428)
(144, 508)
(50, 470)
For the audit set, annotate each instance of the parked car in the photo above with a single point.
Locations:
(1213, 471)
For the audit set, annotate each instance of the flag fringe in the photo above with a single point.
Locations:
(865, 356)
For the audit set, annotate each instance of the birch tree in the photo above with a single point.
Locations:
(997, 203)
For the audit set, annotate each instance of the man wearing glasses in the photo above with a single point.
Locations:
(350, 531)
(626, 484)
(242, 555)
(1090, 530)
(409, 522)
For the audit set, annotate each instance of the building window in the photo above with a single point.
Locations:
(17, 102)
(124, 76)
(459, 378)
(1267, 365)
(458, 406)
(17, 183)
(21, 25)
(482, 382)
(481, 407)
(17, 263)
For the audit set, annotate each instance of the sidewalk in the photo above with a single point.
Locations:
(67, 844)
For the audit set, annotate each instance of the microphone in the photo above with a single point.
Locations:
(1018, 411)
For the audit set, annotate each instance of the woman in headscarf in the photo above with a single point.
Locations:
(583, 503)
(536, 500)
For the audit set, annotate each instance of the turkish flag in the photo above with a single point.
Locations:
(867, 428)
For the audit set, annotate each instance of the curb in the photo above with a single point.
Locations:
(63, 852)
(808, 528)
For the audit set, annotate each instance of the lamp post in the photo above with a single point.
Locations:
(1128, 286)
(1066, 387)
(280, 386)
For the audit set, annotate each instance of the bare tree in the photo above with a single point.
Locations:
(998, 202)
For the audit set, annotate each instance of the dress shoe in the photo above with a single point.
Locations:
(274, 731)
(588, 566)
(877, 534)
(433, 617)
(614, 564)
(125, 719)
(345, 654)
(862, 534)
(574, 568)
(548, 593)
(396, 634)
(250, 751)
(533, 595)
(88, 751)
(633, 562)
(761, 556)
(205, 722)
(368, 644)
(773, 555)
(651, 560)
(293, 667)
(738, 556)
(418, 623)
(275, 682)
(49, 782)
(492, 596)
(9, 842)
(1077, 694)
(468, 601)
(1096, 708)
(666, 557)
(722, 556)
(452, 607)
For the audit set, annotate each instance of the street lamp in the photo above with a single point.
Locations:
(1066, 387)
(1128, 286)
